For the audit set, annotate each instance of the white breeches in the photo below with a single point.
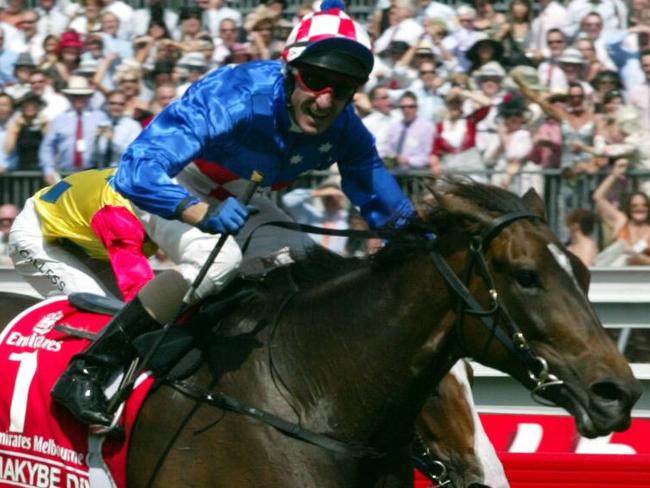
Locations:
(50, 268)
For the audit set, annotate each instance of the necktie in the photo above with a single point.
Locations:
(79, 144)
(108, 155)
(402, 138)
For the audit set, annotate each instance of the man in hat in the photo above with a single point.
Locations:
(573, 65)
(196, 66)
(22, 70)
(67, 147)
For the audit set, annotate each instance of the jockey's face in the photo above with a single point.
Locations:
(317, 101)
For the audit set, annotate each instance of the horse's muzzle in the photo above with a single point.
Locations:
(611, 401)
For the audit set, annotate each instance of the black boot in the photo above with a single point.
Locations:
(81, 387)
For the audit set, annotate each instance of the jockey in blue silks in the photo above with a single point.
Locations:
(281, 118)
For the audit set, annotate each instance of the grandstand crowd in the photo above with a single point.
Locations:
(502, 92)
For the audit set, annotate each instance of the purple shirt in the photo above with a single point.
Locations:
(417, 145)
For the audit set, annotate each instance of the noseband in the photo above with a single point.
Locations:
(509, 334)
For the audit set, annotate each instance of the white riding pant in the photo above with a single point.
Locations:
(50, 268)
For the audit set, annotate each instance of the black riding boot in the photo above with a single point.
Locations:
(81, 387)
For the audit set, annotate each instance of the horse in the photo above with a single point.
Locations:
(320, 384)
(348, 358)
(452, 443)
(457, 454)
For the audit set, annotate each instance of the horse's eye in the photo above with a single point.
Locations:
(527, 278)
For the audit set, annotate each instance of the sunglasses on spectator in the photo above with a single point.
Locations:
(121, 104)
(128, 80)
(411, 105)
(6, 220)
(319, 81)
(428, 72)
(555, 41)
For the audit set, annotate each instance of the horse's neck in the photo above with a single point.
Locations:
(369, 340)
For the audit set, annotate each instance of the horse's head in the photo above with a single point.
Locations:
(540, 326)
(455, 446)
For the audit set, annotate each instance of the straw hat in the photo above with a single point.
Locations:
(572, 56)
(491, 69)
(261, 14)
(529, 76)
(87, 67)
(78, 85)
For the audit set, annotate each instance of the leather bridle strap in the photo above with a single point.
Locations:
(292, 429)
(514, 343)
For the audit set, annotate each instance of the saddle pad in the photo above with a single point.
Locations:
(41, 444)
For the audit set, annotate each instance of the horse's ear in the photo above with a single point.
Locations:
(535, 203)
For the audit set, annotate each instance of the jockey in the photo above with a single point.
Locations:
(66, 233)
(280, 118)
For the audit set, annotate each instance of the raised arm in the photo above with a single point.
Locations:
(548, 108)
(608, 212)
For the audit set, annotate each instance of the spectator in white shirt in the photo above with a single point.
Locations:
(51, 20)
(403, 27)
(379, 120)
(639, 96)
(552, 15)
(549, 71)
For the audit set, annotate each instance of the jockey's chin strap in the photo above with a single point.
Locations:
(510, 336)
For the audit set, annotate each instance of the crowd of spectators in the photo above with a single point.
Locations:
(496, 91)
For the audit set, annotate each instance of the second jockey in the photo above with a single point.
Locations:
(281, 118)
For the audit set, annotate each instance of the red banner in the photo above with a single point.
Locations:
(547, 451)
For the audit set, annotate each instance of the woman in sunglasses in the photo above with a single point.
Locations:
(280, 118)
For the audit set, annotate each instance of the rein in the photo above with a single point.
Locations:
(514, 340)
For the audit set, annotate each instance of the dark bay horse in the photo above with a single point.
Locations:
(354, 355)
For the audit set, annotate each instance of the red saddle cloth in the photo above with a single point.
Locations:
(41, 444)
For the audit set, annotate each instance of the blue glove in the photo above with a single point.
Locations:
(229, 218)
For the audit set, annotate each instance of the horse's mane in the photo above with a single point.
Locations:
(457, 206)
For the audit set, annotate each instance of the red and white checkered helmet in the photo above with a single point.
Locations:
(330, 39)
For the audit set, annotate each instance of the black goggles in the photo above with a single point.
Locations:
(318, 81)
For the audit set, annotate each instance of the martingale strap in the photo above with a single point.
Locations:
(292, 429)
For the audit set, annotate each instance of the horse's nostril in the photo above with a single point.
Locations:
(610, 390)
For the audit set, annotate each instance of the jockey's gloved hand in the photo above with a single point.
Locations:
(229, 217)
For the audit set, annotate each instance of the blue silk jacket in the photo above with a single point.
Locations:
(237, 117)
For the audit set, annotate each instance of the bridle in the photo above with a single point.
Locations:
(509, 335)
